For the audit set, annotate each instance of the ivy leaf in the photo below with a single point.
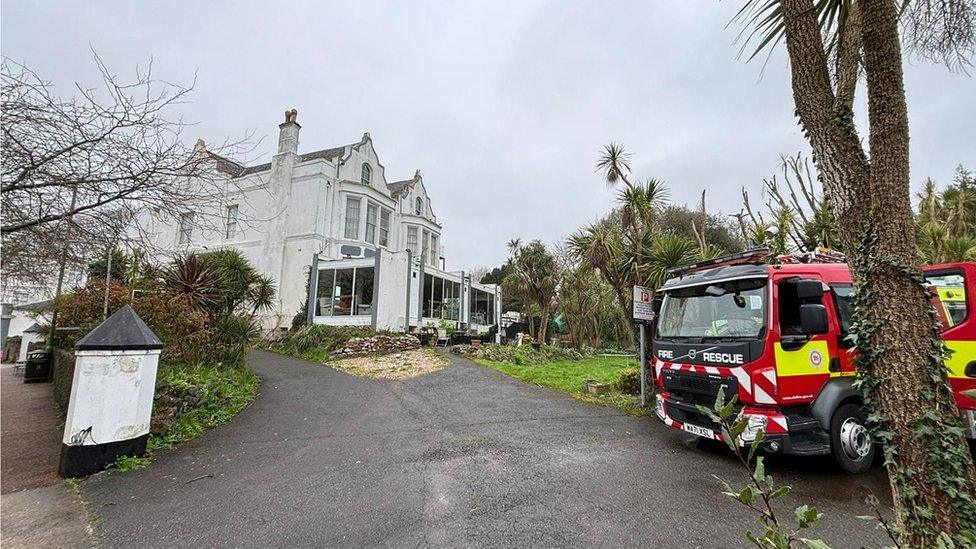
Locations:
(747, 495)
(815, 543)
(780, 492)
(760, 472)
(806, 515)
(755, 443)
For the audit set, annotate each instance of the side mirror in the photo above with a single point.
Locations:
(813, 319)
(807, 289)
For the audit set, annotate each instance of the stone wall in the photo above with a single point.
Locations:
(61, 378)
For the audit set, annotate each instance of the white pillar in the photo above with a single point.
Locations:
(111, 394)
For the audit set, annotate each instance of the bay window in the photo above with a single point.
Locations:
(345, 292)
(353, 204)
(371, 223)
(384, 227)
(412, 244)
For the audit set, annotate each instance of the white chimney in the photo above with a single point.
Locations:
(288, 133)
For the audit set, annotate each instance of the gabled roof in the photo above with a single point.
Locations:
(234, 169)
(124, 330)
(399, 188)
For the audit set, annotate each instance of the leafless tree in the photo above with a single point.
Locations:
(79, 169)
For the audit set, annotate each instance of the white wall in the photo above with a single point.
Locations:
(392, 284)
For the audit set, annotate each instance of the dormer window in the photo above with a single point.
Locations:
(367, 173)
(419, 208)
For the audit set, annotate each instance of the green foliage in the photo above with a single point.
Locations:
(183, 330)
(534, 276)
(218, 394)
(234, 335)
(588, 305)
(947, 220)
(682, 221)
(221, 393)
(629, 381)
(201, 307)
(522, 356)
(319, 337)
(239, 287)
(568, 376)
(120, 266)
(760, 493)
(795, 206)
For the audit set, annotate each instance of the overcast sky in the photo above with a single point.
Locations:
(504, 106)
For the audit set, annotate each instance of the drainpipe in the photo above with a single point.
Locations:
(313, 288)
(376, 286)
(420, 304)
(406, 316)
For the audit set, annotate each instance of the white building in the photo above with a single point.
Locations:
(336, 203)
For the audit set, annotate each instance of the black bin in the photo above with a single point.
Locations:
(38, 366)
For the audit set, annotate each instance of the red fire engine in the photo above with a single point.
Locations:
(775, 335)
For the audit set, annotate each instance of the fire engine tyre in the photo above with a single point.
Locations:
(850, 442)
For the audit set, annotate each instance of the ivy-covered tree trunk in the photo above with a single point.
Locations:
(903, 376)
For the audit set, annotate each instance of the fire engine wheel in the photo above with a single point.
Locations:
(849, 440)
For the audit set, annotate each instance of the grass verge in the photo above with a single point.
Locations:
(568, 376)
(214, 395)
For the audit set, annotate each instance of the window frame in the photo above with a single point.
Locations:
(366, 174)
(384, 234)
(415, 249)
(350, 198)
(372, 226)
(418, 208)
(185, 228)
(330, 276)
(434, 251)
(230, 221)
(965, 285)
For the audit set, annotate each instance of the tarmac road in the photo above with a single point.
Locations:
(462, 457)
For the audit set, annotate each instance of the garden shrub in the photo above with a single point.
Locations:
(629, 381)
(190, 400)
(182, 329)
(320, 336)
(524, 355)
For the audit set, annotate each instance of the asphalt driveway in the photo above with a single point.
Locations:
(462, 457)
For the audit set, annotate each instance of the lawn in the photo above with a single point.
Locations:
(568, 376)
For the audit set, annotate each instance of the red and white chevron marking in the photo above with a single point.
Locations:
(745, 384)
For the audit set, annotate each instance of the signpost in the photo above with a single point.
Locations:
(643, 314)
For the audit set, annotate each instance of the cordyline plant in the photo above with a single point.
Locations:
(761, 491)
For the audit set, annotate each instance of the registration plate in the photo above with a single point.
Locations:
(696, 430)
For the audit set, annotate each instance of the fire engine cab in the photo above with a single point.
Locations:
(775, 335)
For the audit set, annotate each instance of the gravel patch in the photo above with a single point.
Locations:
(404, 365)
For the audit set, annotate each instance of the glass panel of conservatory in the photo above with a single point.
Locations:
(437, 304)
(428, 292)
(343, 295)
(323, 295)
(363, 301)
(452, 300)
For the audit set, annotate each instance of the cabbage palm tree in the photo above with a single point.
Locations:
(932, 478)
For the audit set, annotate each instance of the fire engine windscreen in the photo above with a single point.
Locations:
(735, 309)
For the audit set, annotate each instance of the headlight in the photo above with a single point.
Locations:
(755, 424)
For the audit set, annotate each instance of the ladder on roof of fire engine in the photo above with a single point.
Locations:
(753, 256)
(760, 255)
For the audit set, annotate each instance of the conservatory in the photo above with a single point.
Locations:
(394, 291)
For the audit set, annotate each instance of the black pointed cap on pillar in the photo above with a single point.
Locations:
(122, 331)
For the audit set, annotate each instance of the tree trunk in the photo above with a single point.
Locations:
(930, 469)
(543, 325)
(925, 470)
